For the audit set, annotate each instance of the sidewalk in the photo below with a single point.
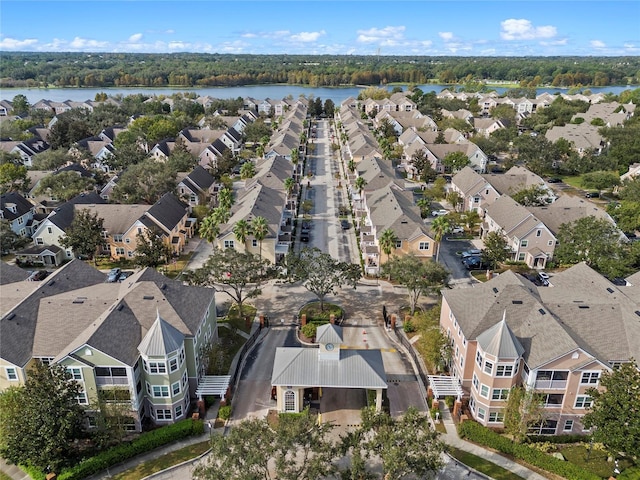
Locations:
(451, 438)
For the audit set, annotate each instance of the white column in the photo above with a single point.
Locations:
(378, 399)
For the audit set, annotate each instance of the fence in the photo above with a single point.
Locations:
(238, 360)
(422, 370)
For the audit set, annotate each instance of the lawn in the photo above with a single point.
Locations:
(595, 462)
(163, 462)
(224, 351)
(238, 322)
(491, 469)
(314, 314)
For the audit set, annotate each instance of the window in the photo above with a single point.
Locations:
(20, 220)
(12, 374)
(476, 199)
(479, 359)
(39, 241)
(254, 243)
(76, 374)
(461, 361)
(504, 371)
(82, 398)
(117, 238)
(548, 427)
(229, 244)
(423, 246)
(91, 421)
(127, 240)
(484, 391)
(583, 401)
(148, 388)
(49, 230)
(181, 355)
(173, 364)
(482, 413)
(590, 378)
(178, 411)
(521, 257)
(160, 391)
(496, 417)
(184, 379)
(175, 388)
(524, 243)
(568, 426)
(475, 381)
(538, 233)
(550, 243)
(157, 367)
(553, 400)
(119, 251)
(163, 414)
(130, 254)
(289, 401)
(398, 243)
(457, 351)
(500, 394)
(488, 367)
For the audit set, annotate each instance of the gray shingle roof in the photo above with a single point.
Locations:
(168, 211)
(10, 274)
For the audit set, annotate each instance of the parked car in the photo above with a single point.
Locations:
(554, 180)
(592, 195)
(543, 279)
(345, 224)
(474, 252)
(38, 275)
(113, 275)
(123, 276)
(474, 263)
(439, 213)
(304, 237)
(457, 230)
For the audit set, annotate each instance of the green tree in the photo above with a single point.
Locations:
(254, 132)
(225, 198)
(20, 105)
(289, 185)
(600, 180)
(10, 240)
(419, 277)
(455, 161)
(320, 273)
(533, 196)
(238, 274)
(387, 241)
(145, 182)
(64, 185)
(181, 159)
(423, 167)
(209, 229)
(52, 159)
(615, 413)
(626, 214)
(13, 178)
(455, 199)
(360, 183)
(151, 250)
(84, 235)
(40, 420)
(298, 447)
(591, 240)
(71, 127)
(496, 249)
(438, 190)
(241, 231)
(523, 410)
(440, 226)
(407, 446)
(247, 170)
(259, 230)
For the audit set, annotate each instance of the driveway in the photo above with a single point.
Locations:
(449, 248)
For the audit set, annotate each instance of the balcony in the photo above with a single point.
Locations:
(550, 384)
(112, 381)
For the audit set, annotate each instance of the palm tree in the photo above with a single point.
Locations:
(387, 243)
(221, 214)
(241, 231)
(259, 229)
(351, 165)
(289, 185)
(440, 226)
(225, 198)
(247, 170)
(360, 183)
(209, 229)
(424, 203)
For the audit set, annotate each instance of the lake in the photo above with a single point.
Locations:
(259, 92)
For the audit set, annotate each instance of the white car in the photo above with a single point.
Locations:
(439, 213)
(457, 230)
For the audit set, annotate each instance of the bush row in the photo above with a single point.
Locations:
(559, 439)
(144, 443)
(484, 436)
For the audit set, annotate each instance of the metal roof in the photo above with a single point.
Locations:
(161, 339)
(500, 341)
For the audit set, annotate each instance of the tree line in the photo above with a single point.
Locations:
(38, 69)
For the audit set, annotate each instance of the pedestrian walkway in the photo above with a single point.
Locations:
(452, 438)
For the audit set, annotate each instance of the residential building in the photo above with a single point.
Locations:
(19, 212)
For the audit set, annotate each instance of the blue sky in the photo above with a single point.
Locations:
(473, 28)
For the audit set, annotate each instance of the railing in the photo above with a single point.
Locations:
(240, 356)
(112, 381)
(551, 384)
(422, 371)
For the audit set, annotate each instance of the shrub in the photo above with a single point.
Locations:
(559, 438)
(484, 436)
(144, 443)
(450, 401)
(224, 412)
(309, 330)
(408, 327)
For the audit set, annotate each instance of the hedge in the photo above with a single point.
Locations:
(476, 433)
(559, 439)
(144, 443)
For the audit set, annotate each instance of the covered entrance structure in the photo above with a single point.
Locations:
(443, 386)
(328, 366)
(213, 385)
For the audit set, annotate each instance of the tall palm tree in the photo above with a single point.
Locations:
(225, 198)
(209, 229)
(289, 185)
(221, 214)
(241, 231)
(360, 183)
(259, 229)
(440, 226)
(387, 243)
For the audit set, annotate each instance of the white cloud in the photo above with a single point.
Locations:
(381, 34)
(86, 43)
(522, 29)
(555, 43)
(307, 36)
(15, 44)
(136, 37)
(597, 44)
(446, 36)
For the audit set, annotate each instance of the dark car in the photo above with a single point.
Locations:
(123, 276)
(345, 224)
(304, 237)
(554, 180)
(474, 263)
(592, 195)
(38, 275)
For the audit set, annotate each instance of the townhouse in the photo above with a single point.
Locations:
(139, 344)
(19, 212)
(197, 187)
(555, 340)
